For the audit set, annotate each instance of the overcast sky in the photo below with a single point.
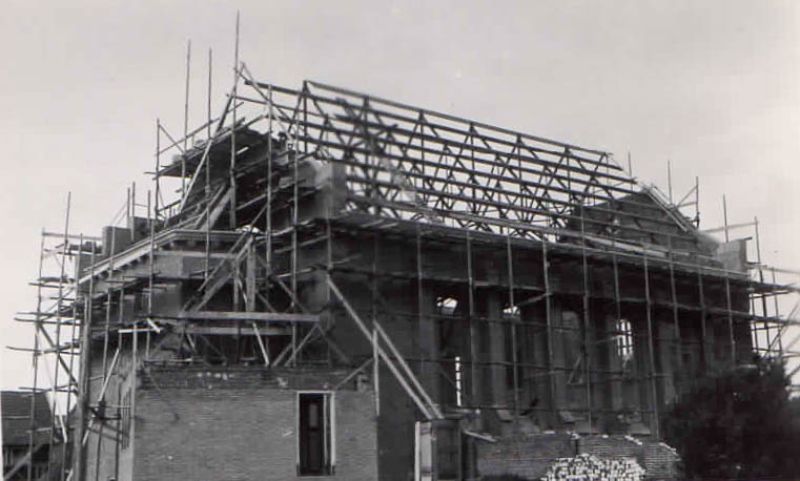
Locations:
(711, 85)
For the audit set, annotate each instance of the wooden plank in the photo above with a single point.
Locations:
(248, 316)
(234, 331)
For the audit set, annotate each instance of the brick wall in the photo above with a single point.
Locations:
(526, 457)
(660, 461)
(530, 457)
(611, 446)
(106, 458)
(235, 433)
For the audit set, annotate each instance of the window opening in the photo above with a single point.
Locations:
(459, 380)
(314, 434)
(624, 340)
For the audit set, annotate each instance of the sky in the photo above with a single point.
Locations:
(713, 87)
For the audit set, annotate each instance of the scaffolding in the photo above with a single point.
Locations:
(245, 219)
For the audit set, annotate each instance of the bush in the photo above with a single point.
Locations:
(737, 425)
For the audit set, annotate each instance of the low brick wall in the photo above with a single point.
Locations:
(240, 425)
(530, 457)
(658, 460)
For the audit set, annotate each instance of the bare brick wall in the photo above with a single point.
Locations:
(101, 447)
(610, 446)
(659, 460)
(239, 434)
(531, 457)
(525, 457)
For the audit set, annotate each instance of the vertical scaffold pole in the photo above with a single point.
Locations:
(374, 280)
(651, 349)
(669, 179)
(79, 453)
(134, 382)
(268, 219)
(764, 310)
(158, 167)
(110, 281)
(725, 217)
(232, 220)
(35, 359)
(697, 202)
(185, 119)
(151, 274)
(295, 219)
(587, 341)
(675, 315)
(207, 189)
(106, 326)
(306, 92)
(731, 334)
(59, 321)
(549, 321)
(617, 299)
(473, 337)
(133, 193)
(618, 311)
(777, 317)
(328, 268)
(117, 438)
(420, 294)
(703, 327)
(376, 368)
(630, 165)
(514, 320)
(73, 338)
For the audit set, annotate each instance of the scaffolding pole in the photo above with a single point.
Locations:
(549, 322)
(651, 350)
(516, 316)
(81, 433)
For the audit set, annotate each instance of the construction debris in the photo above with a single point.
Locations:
(586, 467)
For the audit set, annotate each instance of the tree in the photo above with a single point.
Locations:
(739, 424)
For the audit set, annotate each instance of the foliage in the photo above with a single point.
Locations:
(739, 424)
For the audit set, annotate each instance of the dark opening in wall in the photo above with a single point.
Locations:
(314, 434)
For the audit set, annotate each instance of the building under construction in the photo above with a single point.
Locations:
(348, 287)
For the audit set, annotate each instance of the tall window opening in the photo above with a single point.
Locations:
(459, 379)
(450, 340)
(624, 340)
(512, 317)
(315, 434)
